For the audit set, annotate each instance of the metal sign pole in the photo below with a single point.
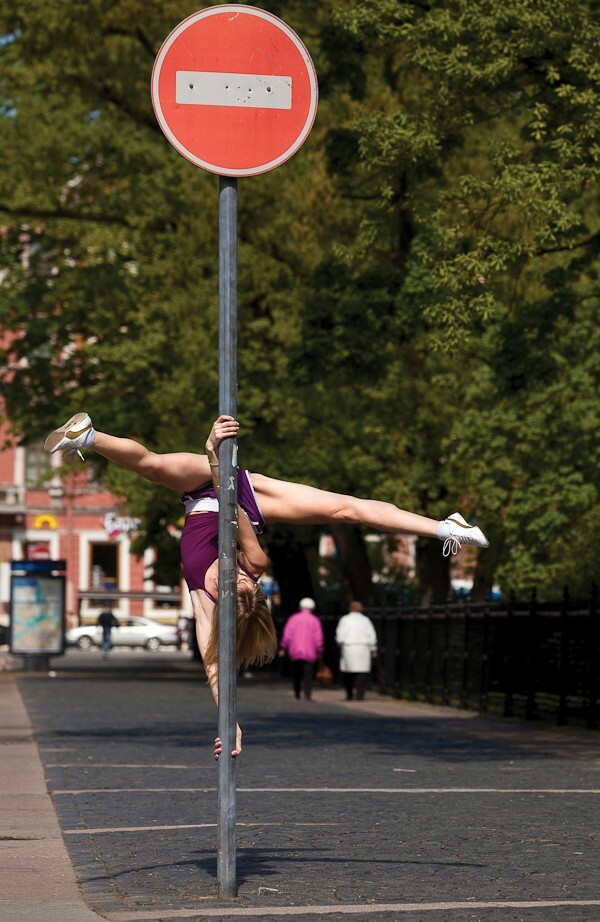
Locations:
(232, 127)
(226, 856)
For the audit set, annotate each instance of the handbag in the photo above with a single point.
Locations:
(324, 675)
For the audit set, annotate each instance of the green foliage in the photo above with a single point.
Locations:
(418, 292)
(485, 138)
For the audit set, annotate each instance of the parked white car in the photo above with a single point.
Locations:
(131, 632)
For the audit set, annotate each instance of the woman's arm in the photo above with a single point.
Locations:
(204, 612)
(251, 553)
(225, 427)
(319, 637)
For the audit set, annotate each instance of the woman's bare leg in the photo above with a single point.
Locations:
(181, 471)
(295, 503)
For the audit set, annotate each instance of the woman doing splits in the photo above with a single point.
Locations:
(263, 501)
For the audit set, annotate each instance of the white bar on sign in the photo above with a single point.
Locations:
(252, 91)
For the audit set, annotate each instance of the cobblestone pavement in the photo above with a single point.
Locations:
(346, 811)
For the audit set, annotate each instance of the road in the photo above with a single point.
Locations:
(346, 810)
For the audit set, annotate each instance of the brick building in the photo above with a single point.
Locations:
(45, 514)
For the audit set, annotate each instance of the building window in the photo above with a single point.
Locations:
(104, 565)
(37, 466)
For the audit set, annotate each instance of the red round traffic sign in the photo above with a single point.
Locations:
(234, 90)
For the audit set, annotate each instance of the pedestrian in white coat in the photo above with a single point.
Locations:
(357, 640)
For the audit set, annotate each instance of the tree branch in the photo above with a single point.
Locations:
(574, 246)
(58, 214)
(139, 34)
(107, 94)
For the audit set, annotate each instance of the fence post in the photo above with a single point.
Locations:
(391, 645)
(593, 661)
(531, 711)
(563, 673)
(412, 675)
(429, 657)
(509, 701)
(446, 661)
(378, 617)
(485, 657)
(464, 685)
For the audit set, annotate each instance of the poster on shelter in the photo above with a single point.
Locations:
(37, 614)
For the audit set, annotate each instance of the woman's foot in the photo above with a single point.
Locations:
(77, 433)
(455, 532)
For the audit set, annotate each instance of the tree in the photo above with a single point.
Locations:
(475, 177)
(109, 250)
(401, 279)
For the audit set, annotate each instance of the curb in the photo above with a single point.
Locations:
(37, 880)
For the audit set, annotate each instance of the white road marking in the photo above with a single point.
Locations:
(142, 765)
(343, 909)
(76, 793)
(101, 830)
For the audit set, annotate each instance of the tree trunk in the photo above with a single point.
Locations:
(356, 569)
(433, 571)
(484, 571)
(288, 554)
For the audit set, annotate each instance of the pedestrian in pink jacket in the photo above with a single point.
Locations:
(303, 642)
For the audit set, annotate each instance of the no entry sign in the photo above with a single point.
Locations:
(234, 90)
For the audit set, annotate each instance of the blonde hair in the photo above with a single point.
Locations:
(256, 637)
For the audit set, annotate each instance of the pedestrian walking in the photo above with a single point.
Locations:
(356, 637)
(107, 621)
(303, 641)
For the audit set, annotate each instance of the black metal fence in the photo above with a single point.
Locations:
(533, 660)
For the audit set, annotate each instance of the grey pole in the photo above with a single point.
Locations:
(226, 855)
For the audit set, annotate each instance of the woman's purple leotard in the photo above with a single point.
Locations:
(200, 535)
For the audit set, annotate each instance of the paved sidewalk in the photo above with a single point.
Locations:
(37, 880)
(380, 810)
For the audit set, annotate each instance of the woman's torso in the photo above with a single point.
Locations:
(200, 535)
